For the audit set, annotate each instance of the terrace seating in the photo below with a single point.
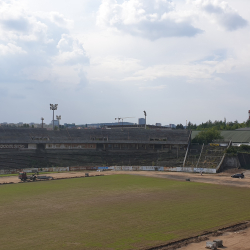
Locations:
(139, 135)
(211, 156)
(169, 156)
(193, 155)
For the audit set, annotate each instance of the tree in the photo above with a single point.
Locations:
(207, 136)
(179, 126)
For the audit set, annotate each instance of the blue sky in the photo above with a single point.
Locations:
(178, 60)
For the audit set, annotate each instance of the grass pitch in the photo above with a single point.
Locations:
(114, 212)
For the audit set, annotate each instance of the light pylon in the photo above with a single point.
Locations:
(53, 107)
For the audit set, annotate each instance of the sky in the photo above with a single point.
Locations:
(182, 60)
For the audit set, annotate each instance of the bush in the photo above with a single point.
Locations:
(207, 136)
(235, 150)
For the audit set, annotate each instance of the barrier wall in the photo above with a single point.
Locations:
(166, 169)
(114, 168)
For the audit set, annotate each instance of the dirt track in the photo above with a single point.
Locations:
(239, 240)
(221, 178)
(231, 240)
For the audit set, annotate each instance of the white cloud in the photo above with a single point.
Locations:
(112, 69)
(70, 51)
(222, 13)
(152, 19)
(60, 20)
(38, 41)
(11, 49)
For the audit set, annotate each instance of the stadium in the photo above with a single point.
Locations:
(151, 195)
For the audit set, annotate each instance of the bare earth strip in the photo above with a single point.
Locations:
(239, 240)
(231, 240)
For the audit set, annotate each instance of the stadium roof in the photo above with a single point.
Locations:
(231, 135)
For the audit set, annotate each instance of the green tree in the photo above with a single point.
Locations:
(179, 126)
(207, 135)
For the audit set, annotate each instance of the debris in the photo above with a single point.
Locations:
(219, 243)
(211, 245)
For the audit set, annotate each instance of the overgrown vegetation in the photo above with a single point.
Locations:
(207, 135)
(235, 150)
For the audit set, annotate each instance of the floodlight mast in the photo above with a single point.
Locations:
(58, 117)
(118, 118)
(42, 121)
(145, 118)
(53, 107)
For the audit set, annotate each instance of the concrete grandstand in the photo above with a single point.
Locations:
(25, 148)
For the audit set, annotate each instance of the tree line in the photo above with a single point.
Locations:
(218, 125)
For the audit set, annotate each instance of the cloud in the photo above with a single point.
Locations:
(11, 49)
(151, 19)
(37, 46)
(221, 13)
(112, 69)
(211, 69)
(71, 51)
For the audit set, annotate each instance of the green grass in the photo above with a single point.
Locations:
(114, 212)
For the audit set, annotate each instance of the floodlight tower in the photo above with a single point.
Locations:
(53, 107)
(145, 118)
(42, 121)
(58, 117)
(118, 118)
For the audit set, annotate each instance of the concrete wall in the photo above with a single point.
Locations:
(244, 160)
(71, 146)
(166, 169)
(32, 146)
(230, 162)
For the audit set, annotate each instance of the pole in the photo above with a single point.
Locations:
(145, 119)
(53, 119)
(42, 121)
(53, 107)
